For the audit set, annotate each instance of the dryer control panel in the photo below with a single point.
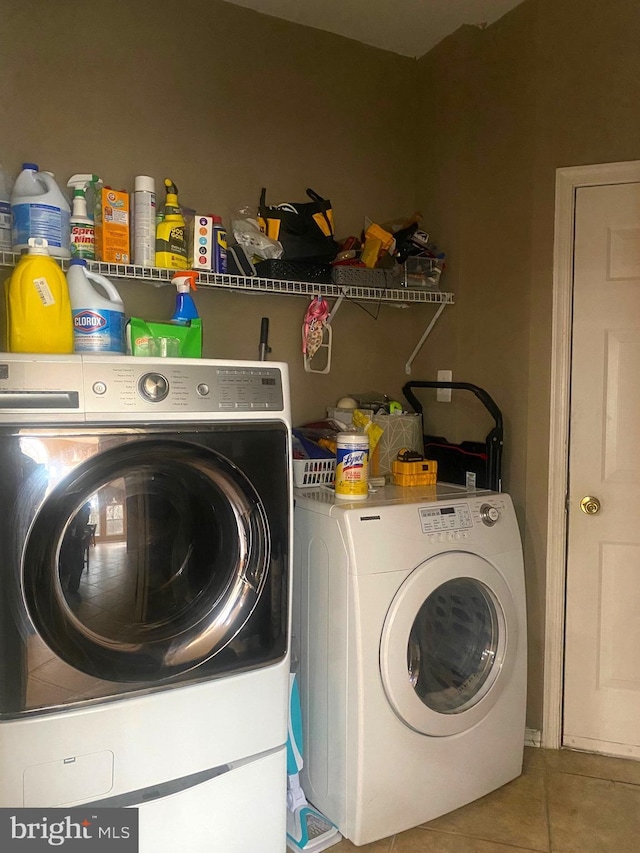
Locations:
(438, 518)
(444, 517)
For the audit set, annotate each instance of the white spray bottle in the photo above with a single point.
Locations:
(83, 235)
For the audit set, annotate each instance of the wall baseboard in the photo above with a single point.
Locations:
(532, 737)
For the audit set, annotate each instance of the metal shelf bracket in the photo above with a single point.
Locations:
(427, 332)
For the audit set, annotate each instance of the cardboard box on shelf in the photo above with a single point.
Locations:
(112, 229)
(201, 243)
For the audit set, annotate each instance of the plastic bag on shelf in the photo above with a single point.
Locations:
(247, 233)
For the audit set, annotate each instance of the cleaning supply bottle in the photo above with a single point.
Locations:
(352, 465)
(171, 242)
(38, 306)
(82, 241)
(40, 209)
(143, 207)
(185, 309)
(97, 310)
(5, 211)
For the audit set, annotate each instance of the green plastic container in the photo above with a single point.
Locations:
(162, 339)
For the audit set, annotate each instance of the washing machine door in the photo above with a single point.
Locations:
(192, 545)
(448, 644)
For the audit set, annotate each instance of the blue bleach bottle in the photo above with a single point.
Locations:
(40, 209)
(97, 309)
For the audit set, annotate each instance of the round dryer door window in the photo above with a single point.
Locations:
(187, 549)
(448, 644)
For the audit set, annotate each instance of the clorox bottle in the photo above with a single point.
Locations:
(98, 312)
(38, 306)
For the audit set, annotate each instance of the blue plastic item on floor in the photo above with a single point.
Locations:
(308, 831)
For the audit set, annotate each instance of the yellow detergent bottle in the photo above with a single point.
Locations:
(39, 318)
(171, 239)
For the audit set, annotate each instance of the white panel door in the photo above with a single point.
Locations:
(602, 649)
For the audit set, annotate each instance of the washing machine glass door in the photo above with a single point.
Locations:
(448, 644)
(182, 573)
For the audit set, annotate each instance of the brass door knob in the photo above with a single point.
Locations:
(590, 505)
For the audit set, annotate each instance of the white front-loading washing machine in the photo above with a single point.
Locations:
(409, 626)
(145, 527)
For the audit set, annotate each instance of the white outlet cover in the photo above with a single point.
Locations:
(443, 395)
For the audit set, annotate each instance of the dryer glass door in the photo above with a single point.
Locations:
(453, 645)
(449, 643)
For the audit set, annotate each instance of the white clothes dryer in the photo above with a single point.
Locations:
(409, 623)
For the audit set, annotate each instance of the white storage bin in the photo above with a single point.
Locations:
(313, 472)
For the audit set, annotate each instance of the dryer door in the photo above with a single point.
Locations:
(448, 644)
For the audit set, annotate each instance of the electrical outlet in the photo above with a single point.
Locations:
(443, 395)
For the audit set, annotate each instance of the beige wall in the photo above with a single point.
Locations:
(225, 101)
(549, 85)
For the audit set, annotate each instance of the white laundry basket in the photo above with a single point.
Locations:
(313, 472)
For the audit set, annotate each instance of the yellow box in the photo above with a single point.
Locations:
(112, 226)
(415, 479)
(421, 473)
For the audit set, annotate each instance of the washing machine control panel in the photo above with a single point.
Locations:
(438, 518)
(122, 388)
(139, 386)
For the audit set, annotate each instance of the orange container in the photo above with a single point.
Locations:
(112, 226)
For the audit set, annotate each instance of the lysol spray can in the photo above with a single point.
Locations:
(352, 465)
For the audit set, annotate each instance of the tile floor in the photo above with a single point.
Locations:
(564, 802)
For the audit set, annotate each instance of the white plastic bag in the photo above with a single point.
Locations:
(247, 234)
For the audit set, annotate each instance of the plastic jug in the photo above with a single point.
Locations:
(38, 305)
(6, 218)
(40, 209)
(97, 309)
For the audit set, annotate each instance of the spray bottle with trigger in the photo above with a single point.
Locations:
(83, 239)
(185, 309)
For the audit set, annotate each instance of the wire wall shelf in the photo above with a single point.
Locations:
(160, 277)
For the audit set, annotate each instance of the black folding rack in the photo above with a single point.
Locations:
(456, 461)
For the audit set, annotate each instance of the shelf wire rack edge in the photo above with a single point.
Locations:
(159, 276)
